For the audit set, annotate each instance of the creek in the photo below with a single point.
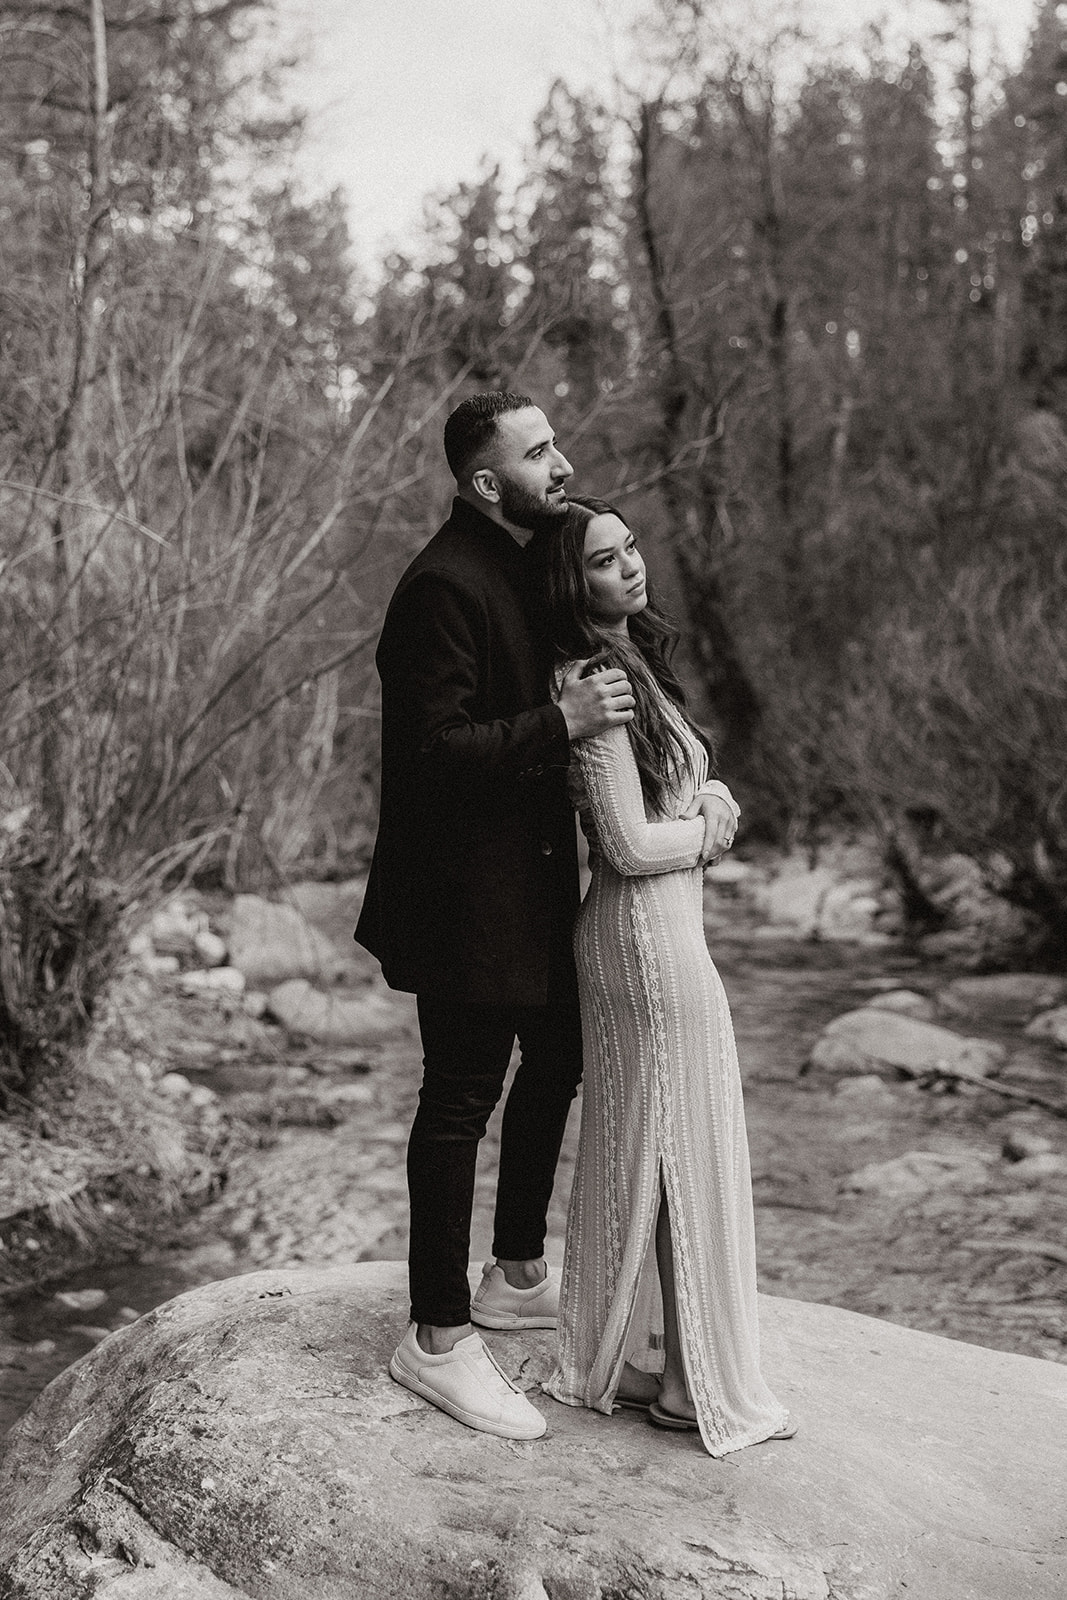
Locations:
(320, 1195)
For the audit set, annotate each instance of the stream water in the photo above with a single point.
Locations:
(317, 1195)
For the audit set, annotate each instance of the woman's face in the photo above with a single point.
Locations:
(614, 572)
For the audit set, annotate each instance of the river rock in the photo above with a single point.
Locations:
(1042, 1167)
(1050, 1025)
(868, 1090)
(872, 1040)
(174, 926)
(331, 1019)
(87, 1330)
(964, 945)
(795, 897)
(920, 1172)
(1010, 998)
(907, 1002)
(848, 912)
(154, 966)
(289, 1108)
(81, 1299)
(979, 921)
(1020, 1142)
(730, 873)
(213, 980)
(209, 948)
(827, 900)
(244, 1440)
(333, 907)
(270, 943)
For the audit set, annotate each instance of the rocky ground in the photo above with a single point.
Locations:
(934, 1202)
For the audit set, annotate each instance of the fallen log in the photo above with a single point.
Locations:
(927, 1075)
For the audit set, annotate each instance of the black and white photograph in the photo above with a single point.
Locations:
(533, 800)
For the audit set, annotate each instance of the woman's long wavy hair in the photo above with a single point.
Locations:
(645, 655)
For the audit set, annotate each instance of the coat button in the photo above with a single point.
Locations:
(546, 848)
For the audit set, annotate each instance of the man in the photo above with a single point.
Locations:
(472, 894)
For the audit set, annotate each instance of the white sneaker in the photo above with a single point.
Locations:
(467, 1383)
(497, 1305)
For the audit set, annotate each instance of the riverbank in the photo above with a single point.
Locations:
(301, 1153)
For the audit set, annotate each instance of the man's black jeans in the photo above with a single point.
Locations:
(466, 1053)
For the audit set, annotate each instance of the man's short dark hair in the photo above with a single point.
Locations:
(470, 429)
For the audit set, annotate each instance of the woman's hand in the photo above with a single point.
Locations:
(719, 825)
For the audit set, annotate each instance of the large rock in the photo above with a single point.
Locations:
(332, 907)
(269, 943)
(175, 926)
(795, 897)
(244, 1440)
(920, 1172)
(331, 1019)
(872, 1040)
(1011, 998)
(906, 1002)
(838, 897)
(1050, 1025)
(979, 922)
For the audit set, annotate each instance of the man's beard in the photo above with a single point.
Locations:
(525, 510)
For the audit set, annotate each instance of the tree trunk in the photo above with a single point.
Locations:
(692, 495)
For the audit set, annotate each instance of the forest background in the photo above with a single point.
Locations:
(805, 320)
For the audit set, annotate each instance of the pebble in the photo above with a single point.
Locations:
(160, 966)
(88, 1331)
(1039, 1168)
(1051, 1025)
(174, 1083)
(354, 1093)
(919, 1172)
(867, 1087)
(213, 980)
(907, 1002)
(210, 948)
(1022, 1142)
(388, 1132)
(81, 1299)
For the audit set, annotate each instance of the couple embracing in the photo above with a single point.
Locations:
(526, 673)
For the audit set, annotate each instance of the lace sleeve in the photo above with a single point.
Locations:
(631, 844)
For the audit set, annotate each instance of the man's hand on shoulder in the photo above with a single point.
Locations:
(592, 704)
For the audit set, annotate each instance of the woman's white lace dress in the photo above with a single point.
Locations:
(661, 1105)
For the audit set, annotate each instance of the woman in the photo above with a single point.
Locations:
(658, 1301)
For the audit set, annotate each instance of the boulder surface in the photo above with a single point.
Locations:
(270, 942)
(1010, 998)
(873, 1039)
(244, 1440)
(330, 1019)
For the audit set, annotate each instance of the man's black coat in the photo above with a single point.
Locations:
(474, 878)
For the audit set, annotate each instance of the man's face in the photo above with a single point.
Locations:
(530, 470)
